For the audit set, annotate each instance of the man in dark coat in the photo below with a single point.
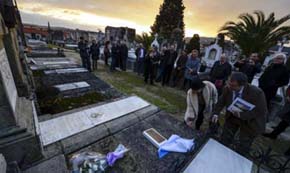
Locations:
(276, 75)
(84, 53)
(220, 72)
(178, 73)
(124, 56)
(285, 116)
(95, 52)
(107, 52)
(140, 54)
(150, 67)
(114, 55)
(249, 123)
(170, 57)
(250, 67)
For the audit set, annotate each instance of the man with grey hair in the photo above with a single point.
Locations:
(275, 75)
(249, 124)
(220, 72)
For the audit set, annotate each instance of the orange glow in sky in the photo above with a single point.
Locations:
(203, 17)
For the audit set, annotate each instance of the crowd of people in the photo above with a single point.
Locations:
(90, 54)
(207, 99)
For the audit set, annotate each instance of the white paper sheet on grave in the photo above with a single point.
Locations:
(240, 105)
(8, 80)
(62, 127)
(71, 86)
(217, 158)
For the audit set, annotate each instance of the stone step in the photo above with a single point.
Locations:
(22, 148)
(10, 131)
(14, 139)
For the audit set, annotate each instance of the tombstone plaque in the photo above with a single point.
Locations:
(8, 80)
(215, 157)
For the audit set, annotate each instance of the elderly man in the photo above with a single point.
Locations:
(220, 72)
(276, 75)
(191, 68)
(249, 123)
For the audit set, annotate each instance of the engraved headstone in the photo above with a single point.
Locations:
(8, 80)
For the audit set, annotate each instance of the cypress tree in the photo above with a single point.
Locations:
(170, 17)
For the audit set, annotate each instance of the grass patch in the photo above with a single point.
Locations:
(168, 99)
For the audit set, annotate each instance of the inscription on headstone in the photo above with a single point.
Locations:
(7, 79)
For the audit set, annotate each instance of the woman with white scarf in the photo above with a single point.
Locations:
(201, 97)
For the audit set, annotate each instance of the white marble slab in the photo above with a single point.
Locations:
(8, 80)
(56, 62)
(66, 70)
(71, 86)
(62, 127)
(217, 158)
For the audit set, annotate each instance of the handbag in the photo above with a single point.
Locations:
(219, 83)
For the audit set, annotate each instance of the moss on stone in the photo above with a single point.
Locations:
(53, 105)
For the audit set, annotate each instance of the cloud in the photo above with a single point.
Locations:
(202, 16)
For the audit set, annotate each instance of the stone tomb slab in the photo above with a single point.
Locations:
(71, 86)
(53, 66)
(47, 61)
(62, 127)
(217, 158)
(66, 70)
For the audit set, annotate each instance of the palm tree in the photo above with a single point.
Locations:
(256, 33)
(145, 39)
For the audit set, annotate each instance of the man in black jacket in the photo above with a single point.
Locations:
(178, 73)
(95, 52)
(220, 72)
(249, 67)
(84, 53)
(150, 65)
(140, 54)
(274, 76)
(170, 57)
(124, 56)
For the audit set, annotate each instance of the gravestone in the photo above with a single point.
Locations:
(217, 158)
(8, 80)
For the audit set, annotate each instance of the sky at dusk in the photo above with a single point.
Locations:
(204, 17)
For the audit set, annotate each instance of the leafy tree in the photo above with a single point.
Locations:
(256, 33)
(194, 43)
(170, 17)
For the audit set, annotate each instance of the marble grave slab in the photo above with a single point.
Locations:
(71, 86)
(62, 127)
(217, 158)
(66, 70)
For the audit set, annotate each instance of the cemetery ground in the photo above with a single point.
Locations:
(171, 100)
